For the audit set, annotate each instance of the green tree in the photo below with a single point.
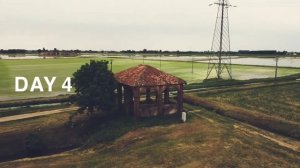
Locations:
(95, 87)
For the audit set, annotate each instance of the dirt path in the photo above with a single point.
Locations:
(37, 114)
(280, 140)
(248, 129)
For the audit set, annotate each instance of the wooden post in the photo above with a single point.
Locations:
(156, 95)
(148, 92)
(130, 96)
(276, 68)
(180, 98)
(166, 95)
(159, 100)
(126, 100)
(136, 101)
(120, 96)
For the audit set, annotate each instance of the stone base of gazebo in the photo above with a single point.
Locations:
(148, 110)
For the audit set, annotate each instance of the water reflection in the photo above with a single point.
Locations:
(283, 62)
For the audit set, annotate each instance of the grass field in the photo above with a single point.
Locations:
(206, 140)
(280, 101)
(62, 68)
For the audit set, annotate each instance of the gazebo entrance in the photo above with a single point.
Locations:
(145, 91)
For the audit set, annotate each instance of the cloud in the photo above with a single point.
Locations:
(151, 24)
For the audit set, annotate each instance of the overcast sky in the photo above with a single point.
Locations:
(150, 24)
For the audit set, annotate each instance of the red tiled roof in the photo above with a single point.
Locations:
(145, 75)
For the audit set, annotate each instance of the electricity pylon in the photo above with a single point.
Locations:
(219, 58)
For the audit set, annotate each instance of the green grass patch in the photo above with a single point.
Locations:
(65, 67)
(5, 81)
(30, 109)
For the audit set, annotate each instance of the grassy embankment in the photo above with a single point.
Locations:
(274, 108)
(206, 141)
(281, 101)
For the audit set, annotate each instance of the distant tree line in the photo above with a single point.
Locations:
(57, 52)
(13, 51)
(42, 52)
(240, 52)
(145, 51)
(262, 52)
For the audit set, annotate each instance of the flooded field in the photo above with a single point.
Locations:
(17, 57)
(282, 62)
(293, 62)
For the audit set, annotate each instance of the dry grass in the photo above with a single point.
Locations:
(206, 141)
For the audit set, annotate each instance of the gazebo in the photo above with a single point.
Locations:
(145, 91)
